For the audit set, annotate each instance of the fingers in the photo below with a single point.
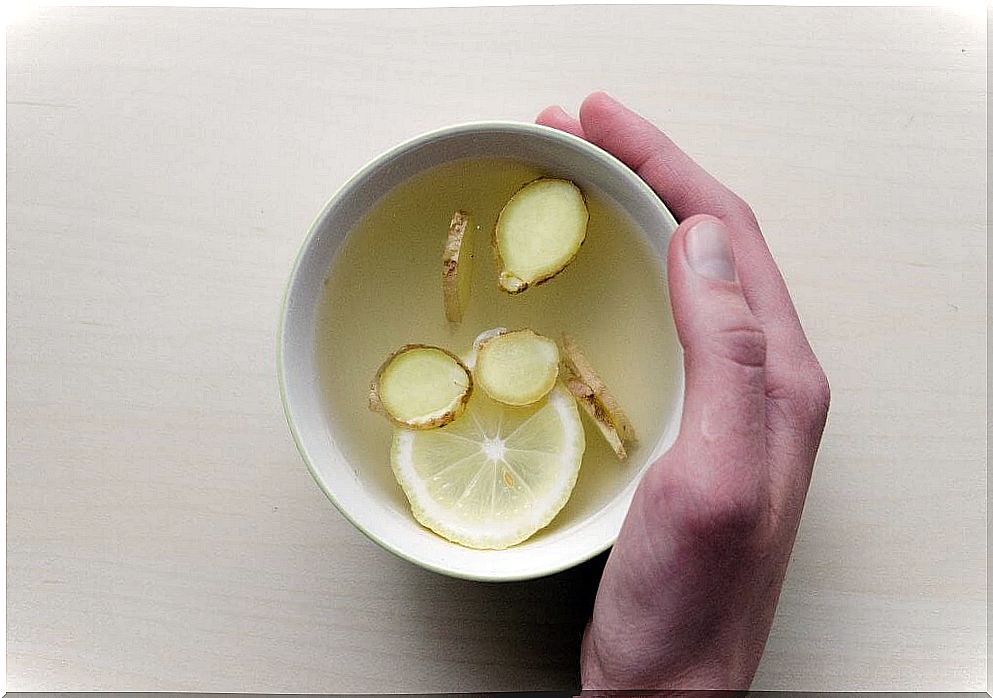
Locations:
(725, 356)
(750, 372)
(686, 188)
(689, 190)
(557, 117)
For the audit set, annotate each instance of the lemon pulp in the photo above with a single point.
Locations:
(497, 474)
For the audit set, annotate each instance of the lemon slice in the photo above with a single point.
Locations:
(495, 475)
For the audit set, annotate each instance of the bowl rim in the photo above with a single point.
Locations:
(312, 231)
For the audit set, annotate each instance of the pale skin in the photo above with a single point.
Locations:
(690, 588)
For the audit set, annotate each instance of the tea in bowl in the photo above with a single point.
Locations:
(499, 288)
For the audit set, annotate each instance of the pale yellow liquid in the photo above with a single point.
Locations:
(384, 290)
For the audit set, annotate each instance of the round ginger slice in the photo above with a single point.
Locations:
(421, 387)
(517, 368)
(539, 232)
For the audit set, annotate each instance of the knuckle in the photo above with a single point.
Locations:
(805, 397)
(704, 506)
(709, 507)
(732, 511)
(744, 345)
(815, 395)
(740, 210)
(725, 515)
(820, 390)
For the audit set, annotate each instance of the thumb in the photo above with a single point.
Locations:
(724, 350)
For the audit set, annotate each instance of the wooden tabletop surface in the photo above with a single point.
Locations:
(163, 166)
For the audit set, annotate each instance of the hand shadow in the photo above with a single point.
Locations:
(509, 636)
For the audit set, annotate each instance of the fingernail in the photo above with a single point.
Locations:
(708, 250)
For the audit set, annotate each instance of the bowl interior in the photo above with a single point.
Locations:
(369, 501)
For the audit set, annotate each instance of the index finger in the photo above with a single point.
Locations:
(688, 189)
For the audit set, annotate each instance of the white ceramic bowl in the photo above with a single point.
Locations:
(379, 517)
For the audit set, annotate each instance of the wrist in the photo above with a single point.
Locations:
(606, 669)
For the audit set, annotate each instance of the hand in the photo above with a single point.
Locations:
(690, 588)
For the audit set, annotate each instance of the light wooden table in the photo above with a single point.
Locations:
(162, 168)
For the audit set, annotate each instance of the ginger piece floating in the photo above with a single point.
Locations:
(421, 387)
(517, 368)
(596, 400)
(457, 265)
(469, 359)
(539, 232)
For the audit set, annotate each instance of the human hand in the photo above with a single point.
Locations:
(690, 589)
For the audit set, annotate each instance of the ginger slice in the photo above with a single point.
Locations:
(421, 387)
(517, 368)
(584, 396)
(595, 398)
(539, 232)
(469, 359)
(457, 264)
